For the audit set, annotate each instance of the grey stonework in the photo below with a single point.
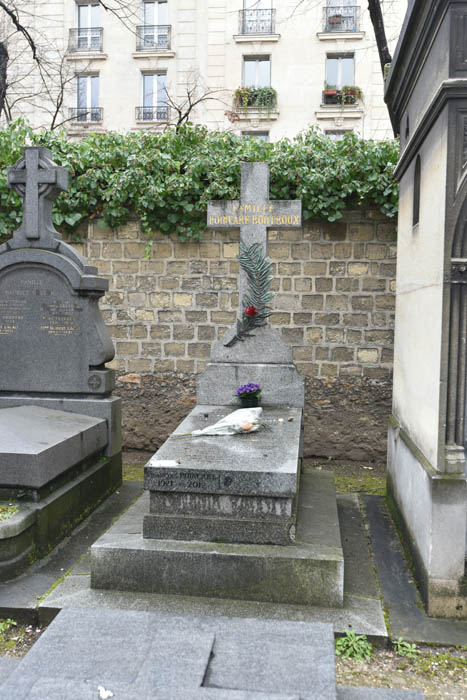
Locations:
(60, 446)
(426, 92)
(262, 357)
(212, 475)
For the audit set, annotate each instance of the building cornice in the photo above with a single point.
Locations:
(449, 91)
(420, 26)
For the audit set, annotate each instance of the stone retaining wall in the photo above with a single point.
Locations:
(334, 304)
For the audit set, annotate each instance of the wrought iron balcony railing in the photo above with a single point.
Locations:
(153, 37)
(257, 21)
(348, 96)
(152, 114)
(85, 39)
(341, 19)
(86, 114)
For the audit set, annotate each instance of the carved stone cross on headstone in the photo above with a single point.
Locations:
(255, 212)
(37, 179)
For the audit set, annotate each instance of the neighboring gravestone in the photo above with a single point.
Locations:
(59, 424)
(226, 515)
(260, 355)
(426, 92)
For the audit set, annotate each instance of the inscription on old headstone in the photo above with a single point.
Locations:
(52, 335)
(254, 213)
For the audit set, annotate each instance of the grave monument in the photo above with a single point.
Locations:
(233, 517)
(60, 449)
(426, 93)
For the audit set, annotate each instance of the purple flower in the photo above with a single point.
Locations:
(247, 389)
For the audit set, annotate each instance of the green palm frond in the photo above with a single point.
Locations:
(258, 271)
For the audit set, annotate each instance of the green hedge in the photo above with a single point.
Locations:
(166, 179)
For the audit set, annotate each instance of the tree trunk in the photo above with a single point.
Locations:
(377, 21)
(3, 75)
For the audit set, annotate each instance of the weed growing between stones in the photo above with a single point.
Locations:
(354, 646)
(403, 648)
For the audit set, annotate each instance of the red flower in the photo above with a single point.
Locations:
(251, 311)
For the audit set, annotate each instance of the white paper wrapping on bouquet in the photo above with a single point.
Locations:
(244, 420)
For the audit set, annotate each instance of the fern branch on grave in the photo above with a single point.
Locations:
(257, 301)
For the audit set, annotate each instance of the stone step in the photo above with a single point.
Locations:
(146, 655)
(309, 572)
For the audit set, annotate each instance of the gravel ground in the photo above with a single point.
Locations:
(441, 672)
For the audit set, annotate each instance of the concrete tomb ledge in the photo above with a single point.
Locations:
(106, 408)
(238, 488)
(281, 384)
(309, 572)
(40, 526)
(38, 444)
(256, 464)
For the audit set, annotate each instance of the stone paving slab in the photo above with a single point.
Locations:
(7, 666)
(53, 689)
(153, 652)
(407, 617)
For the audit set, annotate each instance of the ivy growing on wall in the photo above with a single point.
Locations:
(166, 179)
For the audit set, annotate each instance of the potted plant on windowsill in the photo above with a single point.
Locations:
(349, 94)
(253, 97)
(335, 19)
(330, 94)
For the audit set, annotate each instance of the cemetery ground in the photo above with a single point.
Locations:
(439, 670)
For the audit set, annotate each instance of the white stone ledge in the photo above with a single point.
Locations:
(336, 36)
(254, 38)
(87, 56)
(153, 54)
(339, 113)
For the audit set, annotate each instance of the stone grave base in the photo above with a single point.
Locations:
(53, 469)
(441, 507)
(308, 572)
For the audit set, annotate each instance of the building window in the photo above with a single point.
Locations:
(155, 106)
(340, 70)
(260, 135)
(416, 192)
(257, 17)
(87, 99)
(256, 71)
(155, 32)
(336, 134)
(89, 34)
(341, 16)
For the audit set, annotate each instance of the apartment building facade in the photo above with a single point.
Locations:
(267, 68)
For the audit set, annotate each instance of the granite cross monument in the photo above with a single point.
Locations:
(60, 448)
(254, 213)
(262, 356)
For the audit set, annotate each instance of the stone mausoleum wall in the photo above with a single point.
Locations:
(334, 304)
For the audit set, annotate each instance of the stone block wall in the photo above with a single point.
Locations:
(334, 304)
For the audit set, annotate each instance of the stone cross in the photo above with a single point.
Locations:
(255, 212)
(37, 179)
